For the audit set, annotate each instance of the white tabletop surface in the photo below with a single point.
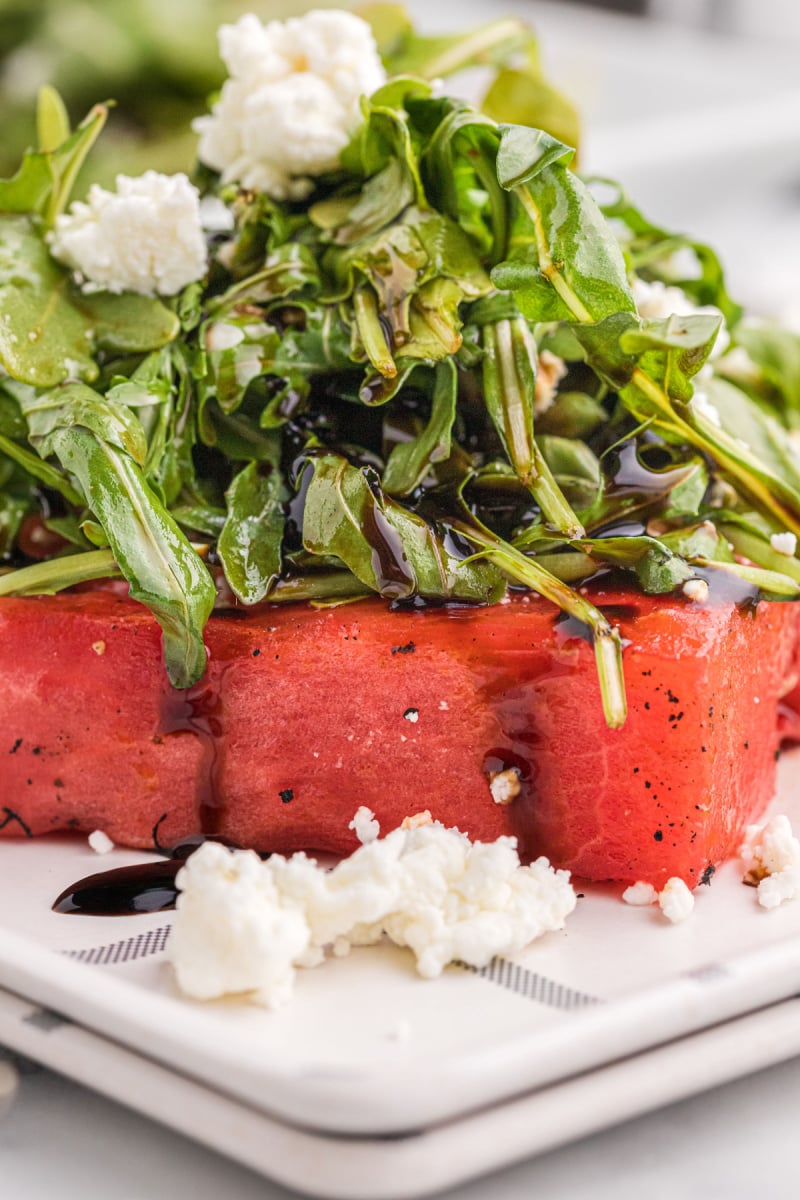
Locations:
(61, 1142)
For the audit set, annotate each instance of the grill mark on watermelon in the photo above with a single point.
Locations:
(10, 816)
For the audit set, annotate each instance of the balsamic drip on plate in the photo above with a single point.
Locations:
(124, 891)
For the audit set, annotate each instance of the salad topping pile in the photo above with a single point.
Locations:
(384, 342)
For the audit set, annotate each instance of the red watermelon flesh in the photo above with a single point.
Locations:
(304, 715)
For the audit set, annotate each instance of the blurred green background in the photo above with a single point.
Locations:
(157, 59)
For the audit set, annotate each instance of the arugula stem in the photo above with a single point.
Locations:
(245, 285)
(509, 374)
(760, 493)
(56, 574)
(555, 507)
(773, 582)
(328, 585)
(605, 637)
(749, 545)
(372, 334)
(547, 266)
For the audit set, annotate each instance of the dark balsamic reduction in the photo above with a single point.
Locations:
(123, 891)
(568, 627)
(389, 563)
(150, 887)
(197, 710)
(633, 477)
(501, 758)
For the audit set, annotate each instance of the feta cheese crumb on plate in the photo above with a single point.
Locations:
(100, 842)
(675, 900)
(243, 926)
(771, 853)
(640, 894)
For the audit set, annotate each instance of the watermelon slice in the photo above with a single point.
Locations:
(306, 714)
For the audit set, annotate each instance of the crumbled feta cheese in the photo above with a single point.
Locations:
(675, 900)
(505, 785)
(783, 885)
(696, 589)
(100, 842)
(412, 715)
(640, 894)
(366, 828)
(772, 855)
(234, 931)
(784, 543)
(292, 100)
(551, 370)
(146, 237)
(99, 648)
(244, 925)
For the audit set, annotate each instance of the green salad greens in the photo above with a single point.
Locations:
(452, 369)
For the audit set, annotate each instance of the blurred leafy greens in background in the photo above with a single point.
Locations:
(432, 380)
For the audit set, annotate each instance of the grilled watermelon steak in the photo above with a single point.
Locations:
(304, 714)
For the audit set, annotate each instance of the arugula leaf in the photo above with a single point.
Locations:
(391, 550)
(579, 272)
(509, 376)
(411, 461)
(458, 167)
(44, 180)
(777, 353)
(673, 350)
(96, 442)
(525, 98)
(51, 331)
(249, 545)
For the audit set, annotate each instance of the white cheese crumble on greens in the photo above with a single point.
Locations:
(145, 237)
(292, 100)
